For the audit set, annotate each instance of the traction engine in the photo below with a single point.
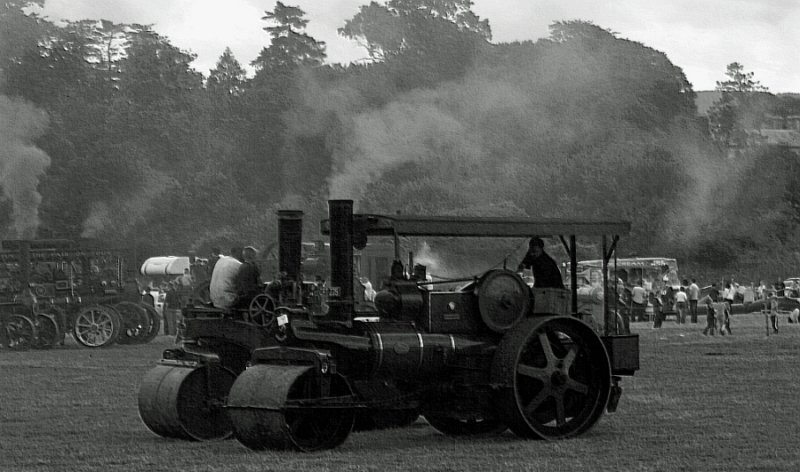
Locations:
(304, 363)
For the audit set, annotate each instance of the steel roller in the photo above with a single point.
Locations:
(186, 402)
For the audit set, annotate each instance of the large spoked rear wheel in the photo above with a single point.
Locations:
(287, 407)
(555, 378)
(96, 326)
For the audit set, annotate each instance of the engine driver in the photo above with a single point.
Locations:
(546, 273)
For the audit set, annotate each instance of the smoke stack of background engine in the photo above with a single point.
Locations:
(340, 214)
(290, 229)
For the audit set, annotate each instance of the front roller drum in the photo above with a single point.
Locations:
(290, 407)
(186, 402)
(554, 376)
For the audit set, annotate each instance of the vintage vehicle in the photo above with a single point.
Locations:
(298, 366)
(657, 274)
(49, 287)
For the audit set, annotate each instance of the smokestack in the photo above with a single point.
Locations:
(340, 213)
(25, 263)
(290, 242)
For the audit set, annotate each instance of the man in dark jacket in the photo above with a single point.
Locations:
(545, 270)
(248, 278)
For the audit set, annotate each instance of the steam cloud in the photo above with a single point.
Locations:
(21, 163)
(122, 212)
(522, 147)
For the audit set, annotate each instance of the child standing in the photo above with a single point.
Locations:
(711, 324)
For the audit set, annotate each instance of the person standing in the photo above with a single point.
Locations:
(711, 324)
(773, 314)
(186, 279)
(722, 314)
(694, 297)
(638, 301)
(714, 293)
(729, 294)
(658, 318)
(681, 300)
(546, 273)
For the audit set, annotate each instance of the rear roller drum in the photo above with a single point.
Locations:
(186, 403)
(288, 407)
(555, 378)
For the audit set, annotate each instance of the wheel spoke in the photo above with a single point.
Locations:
(576, 386)
(533, 372)
(537, 401)
(548, 350)
(570, 357)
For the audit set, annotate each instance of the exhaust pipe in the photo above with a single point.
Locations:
(290, 243)
(340, 213)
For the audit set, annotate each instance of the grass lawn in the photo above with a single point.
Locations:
(698, 404)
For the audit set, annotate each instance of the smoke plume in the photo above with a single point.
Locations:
(550, 137)
(122, 212)
(21, 163)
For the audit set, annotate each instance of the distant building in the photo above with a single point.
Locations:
(771, 129)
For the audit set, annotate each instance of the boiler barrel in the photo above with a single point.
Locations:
(398, 350)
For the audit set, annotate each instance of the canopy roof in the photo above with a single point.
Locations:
(379, 225)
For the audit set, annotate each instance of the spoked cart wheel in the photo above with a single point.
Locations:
(48, 332)
(134, 322)
(290, 407)
(153, 326)
(96, 326)
(21, 332)
(555, 378)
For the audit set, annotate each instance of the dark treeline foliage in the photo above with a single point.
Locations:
(145, 150)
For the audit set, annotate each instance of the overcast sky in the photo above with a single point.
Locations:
(700, 36)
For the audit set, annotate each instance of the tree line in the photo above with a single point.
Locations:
(118, 137)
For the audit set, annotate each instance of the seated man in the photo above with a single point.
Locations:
(222, 287)
(248, 279)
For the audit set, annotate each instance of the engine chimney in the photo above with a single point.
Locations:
(290, 242)
(340, 213)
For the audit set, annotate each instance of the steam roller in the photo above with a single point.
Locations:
(185, 400)
(288, 407)
(488, 355)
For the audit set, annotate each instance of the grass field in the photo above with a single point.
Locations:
(699, 403)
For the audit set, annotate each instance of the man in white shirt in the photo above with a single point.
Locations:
(694, 296)
(680, 302)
